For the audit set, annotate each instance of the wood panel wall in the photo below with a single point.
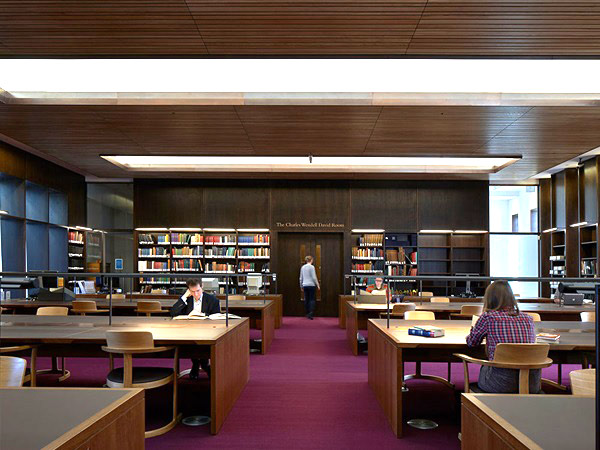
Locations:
(18, 163)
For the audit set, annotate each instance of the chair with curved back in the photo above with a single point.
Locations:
(426, 294)
(425, 315)
(116, 297)
(439, 300)
(84, 307)
(129, 343)
(588, 356)
(149, 307)
(588, 316)
(535, 316)
(237, 297)
(583, 382)
(523, 357)
(12, 371)
(30, 374)
(55, 311)
(52, 311)
(398, 310)
(467, 312)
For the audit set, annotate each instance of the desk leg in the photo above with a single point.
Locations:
(230, 362)
(267, 329)
(352, 328)
(386, 376)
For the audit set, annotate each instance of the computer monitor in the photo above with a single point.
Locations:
(210, 284)
(254, 283)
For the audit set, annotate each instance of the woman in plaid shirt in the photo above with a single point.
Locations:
(502, 322)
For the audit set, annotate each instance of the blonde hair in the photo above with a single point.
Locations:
(499, 297)
(308, 259)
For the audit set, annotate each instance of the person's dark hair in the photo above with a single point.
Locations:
(308, 258)
(499, 296)
(193, 282)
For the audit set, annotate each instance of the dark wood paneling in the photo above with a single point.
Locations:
(244, 205)
(571, 217)
(545, 209)
(167, 203)
(460, 205)
(589, 191)
(558, 200)
(26, 166)
(384, 206)
(95, 28)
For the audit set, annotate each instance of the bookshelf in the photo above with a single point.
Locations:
(469, 256)
(434, 252)
(400, 250)
(76, 249)
(85, 249)
(367, 253)
(201, 250)
(557, 257)
(588, 250)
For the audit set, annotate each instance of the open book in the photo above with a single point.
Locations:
(194, 315)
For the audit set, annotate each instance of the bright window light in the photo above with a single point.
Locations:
(364, 164)
(300, 75)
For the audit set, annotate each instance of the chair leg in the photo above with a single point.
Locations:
(554, 384)
(63, 372)
(466, 369)
(419, 375)
(176, 416)
(524, 381)
(33, 367)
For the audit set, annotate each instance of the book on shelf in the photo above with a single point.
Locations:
(76, 236)
(255, 239)
(413, 257)
(413, 271)
(371, 239)
(187, 238)
(220, 239)
(360, 252)
(187, 251)
(369, 267)
(246, 266)
(219, 267)
(192, 265)
(153, 265)
(259, 251)
(219, 251)
(152, 251)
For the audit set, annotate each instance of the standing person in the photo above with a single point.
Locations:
(195, 299)
(310, 284)
(502, 322)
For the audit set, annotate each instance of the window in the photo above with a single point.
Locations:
(514, 236)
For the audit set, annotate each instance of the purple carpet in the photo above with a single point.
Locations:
(307, 392)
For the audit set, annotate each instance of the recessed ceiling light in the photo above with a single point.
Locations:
(318, 164)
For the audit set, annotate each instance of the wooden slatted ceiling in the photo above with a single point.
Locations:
(328, 27)
(545, 136)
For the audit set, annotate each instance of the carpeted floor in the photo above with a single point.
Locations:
(307, 392)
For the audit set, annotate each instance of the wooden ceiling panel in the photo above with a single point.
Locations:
(544, 136)
(437, 28)
(306, 27)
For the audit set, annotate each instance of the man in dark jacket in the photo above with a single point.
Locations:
(195, 299)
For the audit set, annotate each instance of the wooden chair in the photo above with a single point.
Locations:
(535, 316)
(12, 371)
(237, 297)
(583, 382)
(439, 300)
(426, 294)
(55, 311)
(30, 374)
(468, 311)
(398, 310)
(128, 343)
(588, 316)
(523, 357)
(149, 307)
(117, 297)
(84, 307)
(425, 315)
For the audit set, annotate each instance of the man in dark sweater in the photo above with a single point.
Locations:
(195, 299)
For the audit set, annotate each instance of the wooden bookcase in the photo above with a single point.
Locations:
(469, 255)
(557, 257)
(434, 250)
(588, 250)
(400, 250)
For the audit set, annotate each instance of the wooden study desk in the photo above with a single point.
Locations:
(549, 422)
(357, 314)
(77, 336)
(52, 418)
(261, 313)
(390, 348)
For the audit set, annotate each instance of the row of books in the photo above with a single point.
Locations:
(187, 251)
(186, 238)
(401, 270)
(377, 266)
(219, 267)
(246, 267)
(220, 239)
(75, 250)
(260, 251)
(145, 238)
(256, 239)
(94, 239)
(153, 265)
(220, 251)
(152, 251)
(76, 236)
(187, 264)
(370, 239)
(395, 254)
(155, 280)
(358, 252)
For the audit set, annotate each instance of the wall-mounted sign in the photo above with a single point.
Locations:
(118, 263)
(308, 225)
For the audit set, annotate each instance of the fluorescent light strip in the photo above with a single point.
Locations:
(344, 164)
(549, 230)
(578, 224)
(3, 211)
(80, 228)
(357, 230)
(253, 230)
(151, 229)
(185, 229)
(220, 230)
(470, 231)
(436, 231)
(300, 75)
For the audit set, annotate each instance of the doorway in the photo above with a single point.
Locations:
(326, 249)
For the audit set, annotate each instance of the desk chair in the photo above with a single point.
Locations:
(426, 294)
(12, 371)
(149, 307)
(30, 374)
(588, 316)
(439, 300)
(583, 382)
(84, 307)
(128, 343)
(398, 310)
(237, 297)
(117, 297)
(425, 315)
(523, 357)
(587, 356)
(55, 311)
(535, 316)
(468, 311)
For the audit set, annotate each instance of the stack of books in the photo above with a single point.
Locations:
(548, 337)
(371, 240)
(426, 331)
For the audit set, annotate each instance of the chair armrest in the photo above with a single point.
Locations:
(15, 348)
(470, 359)
(137, 351)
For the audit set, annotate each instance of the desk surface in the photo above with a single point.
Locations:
(102, 304)
(33, 418)
(92, 329)
(573, 335)
(548, 421)
(455, 307)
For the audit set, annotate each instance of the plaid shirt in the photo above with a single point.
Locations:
(498, 327)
